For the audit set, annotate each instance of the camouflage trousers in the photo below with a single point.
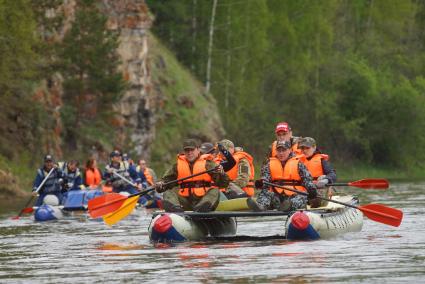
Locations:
(272, 200)
(172, 198)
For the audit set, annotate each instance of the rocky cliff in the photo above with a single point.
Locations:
(162, 104)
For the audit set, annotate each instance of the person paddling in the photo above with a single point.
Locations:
(52, 186)
(285, 167)
(199, 193)
(241, 175)
(122, 180)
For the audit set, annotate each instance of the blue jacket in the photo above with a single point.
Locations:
(52, 184)
(71, 180)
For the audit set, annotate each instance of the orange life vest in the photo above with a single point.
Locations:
(289, 173)
(198, 185)
(294, 149)
(233, 172)
(208, 157)
(149, 177)
(314, 165)
(147, 174)
(93, 177)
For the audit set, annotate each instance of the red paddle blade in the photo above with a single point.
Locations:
(28, 210)
(382, 214)
(25, 210)
(371, 183)
(105, 204)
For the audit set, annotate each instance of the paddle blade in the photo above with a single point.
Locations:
(126, 208)
(371, 183)
(105, 204)
(27, 210)
(382, 214)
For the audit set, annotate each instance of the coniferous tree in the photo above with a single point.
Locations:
(89, 65)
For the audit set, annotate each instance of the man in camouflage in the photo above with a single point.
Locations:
(269, 200)
(242, 180)
(173, 199)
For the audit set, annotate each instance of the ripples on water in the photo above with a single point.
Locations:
(81, 250)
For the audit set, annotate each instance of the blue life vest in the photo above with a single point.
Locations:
(52, 183)
(72, 180)
(123, 170)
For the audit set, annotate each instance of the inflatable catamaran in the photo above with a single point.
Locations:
(324, 222)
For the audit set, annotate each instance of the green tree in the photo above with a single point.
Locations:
(89, 65)
(17, 43)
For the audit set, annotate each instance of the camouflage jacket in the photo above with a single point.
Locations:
(244, 172)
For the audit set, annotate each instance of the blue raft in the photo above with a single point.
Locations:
(75, 200)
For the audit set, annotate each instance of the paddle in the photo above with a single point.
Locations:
(109, 203)
(125, 179)
(27, 209)
(368, 183)
(376, 212)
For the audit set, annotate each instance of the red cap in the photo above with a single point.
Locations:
(282, 126)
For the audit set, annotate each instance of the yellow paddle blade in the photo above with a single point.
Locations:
(126, 208)
(237, 204)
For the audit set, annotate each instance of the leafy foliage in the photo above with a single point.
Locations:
(348, 73)
(89, 64)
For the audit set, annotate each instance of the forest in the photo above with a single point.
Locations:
(349, 73)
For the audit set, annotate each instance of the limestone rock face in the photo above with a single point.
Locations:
(135, 112)
(149, 102)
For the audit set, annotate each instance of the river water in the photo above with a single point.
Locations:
(81, 250)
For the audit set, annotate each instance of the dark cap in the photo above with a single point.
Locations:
(283, 144)
(115, 153)
(48, 158)
(190, 144)
(307, 142)
(207, 148)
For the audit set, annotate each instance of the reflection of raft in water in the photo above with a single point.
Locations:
(324, 222)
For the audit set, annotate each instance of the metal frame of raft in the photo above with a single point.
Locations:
(216, 214)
